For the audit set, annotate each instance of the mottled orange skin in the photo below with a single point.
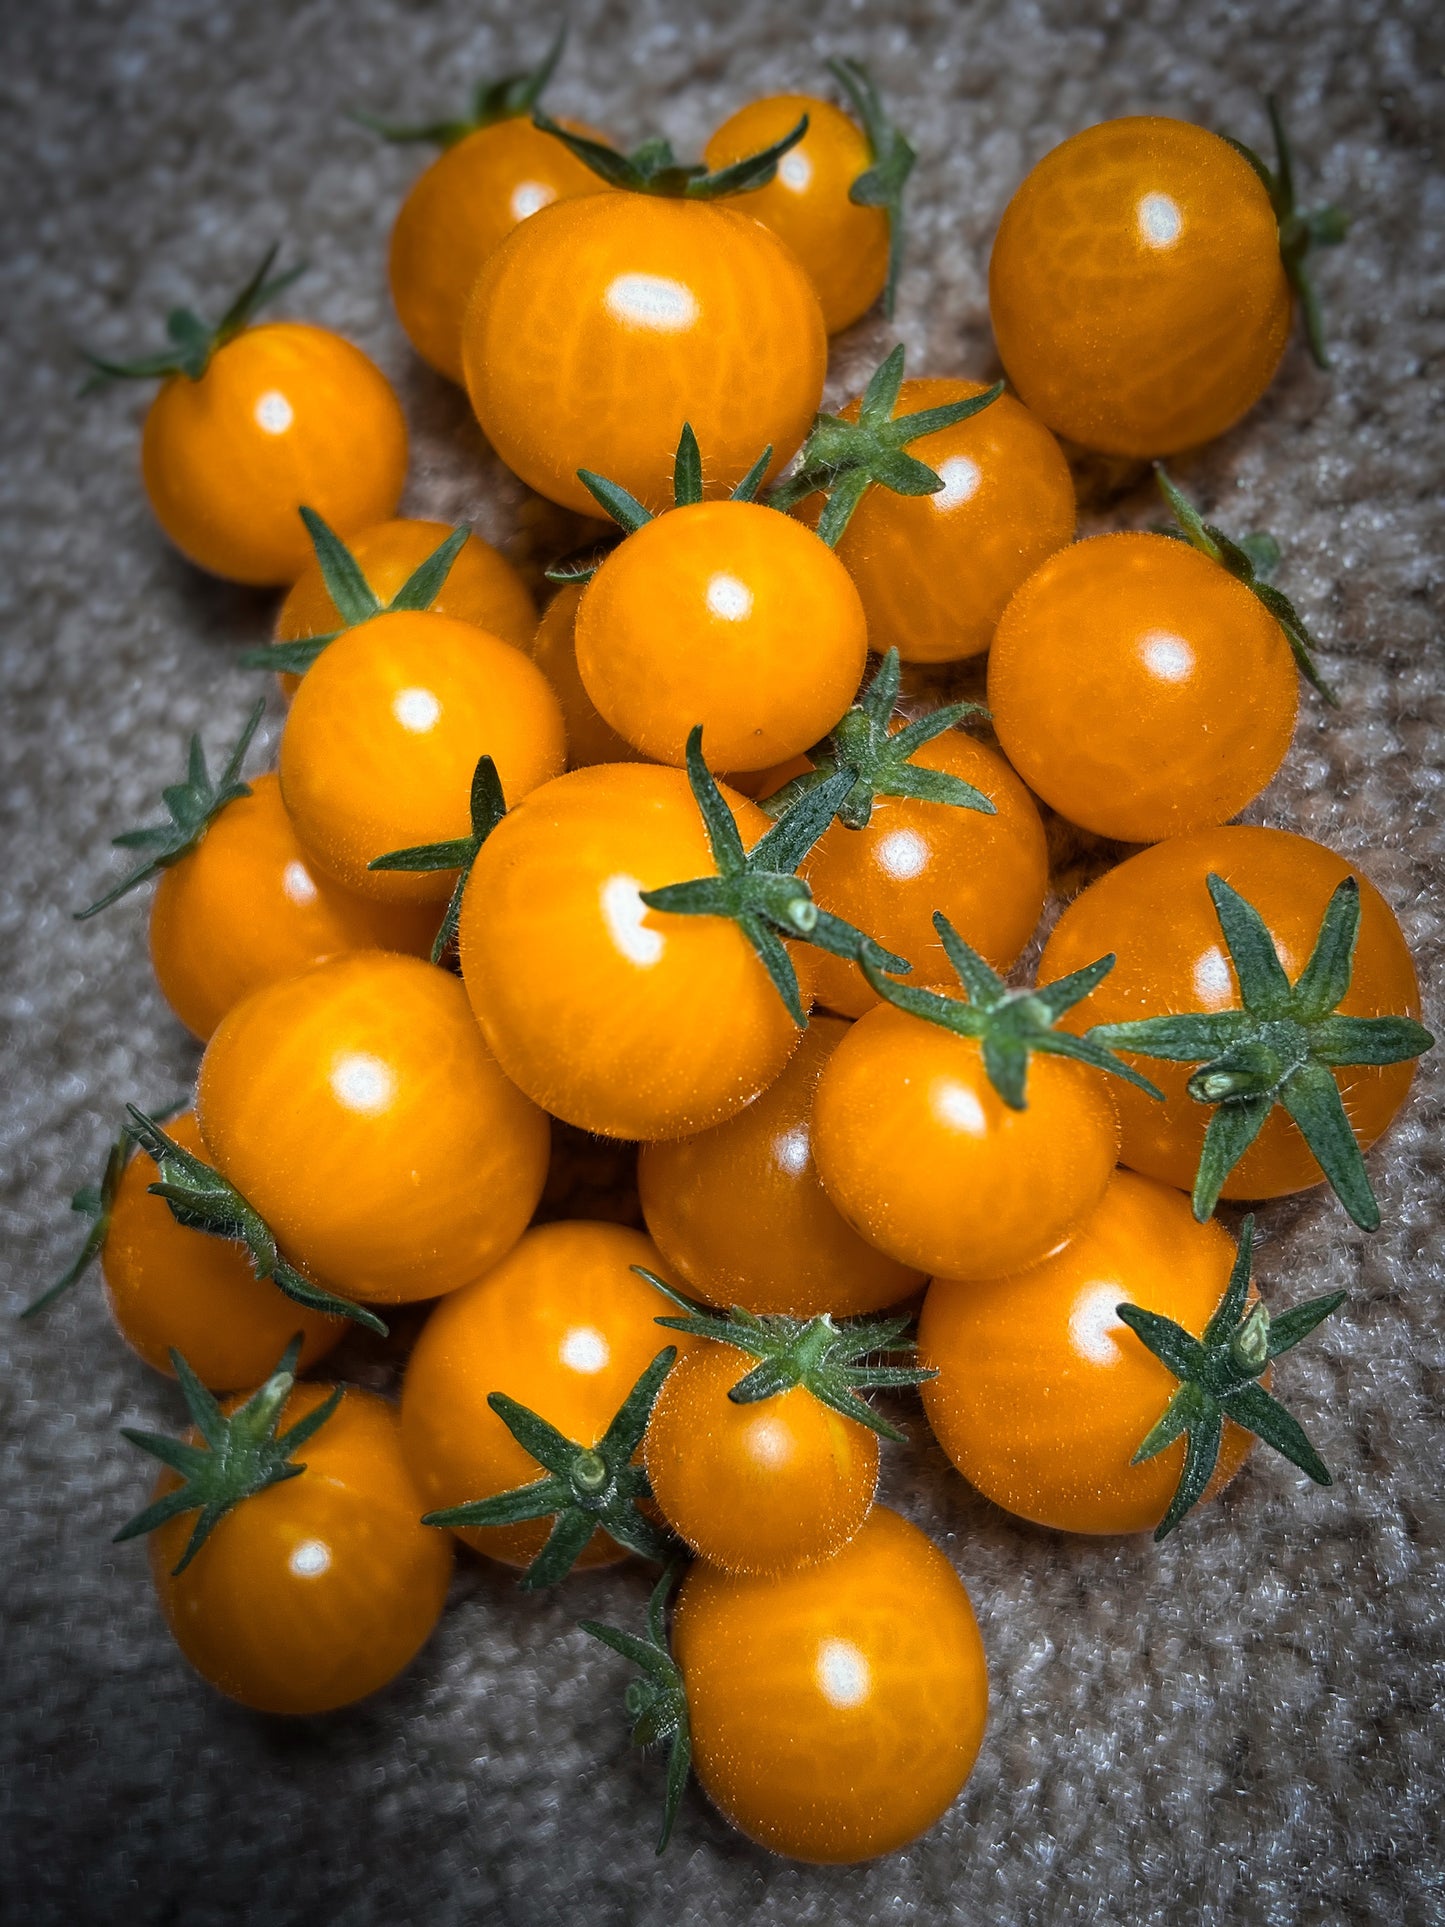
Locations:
(987, 874)
(359, 1110)
(285, 416)
(246, 908)
(630, 1022)
(383, 738)
(172, 1287)
(843, 247)
(564, 1326)
(1140, 689)
(729, 615)
(1136, 290)
(922, 1155)
(554, 650)
(371, 1583)
(837, 1710)
(1043, 1394)
(1155, 913)
(741, 1215)
(604, 323)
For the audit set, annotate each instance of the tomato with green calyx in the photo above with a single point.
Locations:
(291, 1587)
(554, 650)
(252, 421)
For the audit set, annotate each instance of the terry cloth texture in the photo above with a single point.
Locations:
(1241, 1727)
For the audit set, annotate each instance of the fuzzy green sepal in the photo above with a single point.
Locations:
(657, 1701)
(492, 100)
(488, 807)
(193, 343)
(654, 168)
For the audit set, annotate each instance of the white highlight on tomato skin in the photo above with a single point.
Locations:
(769, 1443)
(791, 1150)
(363, 1083)
(729, 598)
(273, 413)
(1213, 980)
(297, 884)
(960, 478)
(958, 1107)
(416, 709)
(652, 301)
(310, 1558)
(1094, 1321)
(1160, 221)
(1167, 656)
(624, 912)
(584, 1349)
(903, 854)
(842, 1672)
(530, 197)
(795, 171)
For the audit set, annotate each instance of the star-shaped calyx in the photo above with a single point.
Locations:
(656, 1701)
(193, 341)
(653, 168)
(505, 98)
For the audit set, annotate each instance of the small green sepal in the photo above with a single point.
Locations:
(488, 807)
(882, 184)
(506, 98)
(630, 515)
(657, 1701)
(654, 168)
(193, 343)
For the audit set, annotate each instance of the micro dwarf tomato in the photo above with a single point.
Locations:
(357, 1108)
(554, 650)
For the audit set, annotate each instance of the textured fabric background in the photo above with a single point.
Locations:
(1239, 1728)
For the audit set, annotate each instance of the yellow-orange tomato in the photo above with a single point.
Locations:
(1140, 689)
(1136, 290)
(1155, 913)
(603, 324)
(384, 734)
(462, 207)
(554, 650)
(170, 1287)
(319, 1589)
(358, 1109)
(286, 416)
(836, 1711)
(1043, 1393)
(987, 874)
(922, 1155)
(245, 908)
(564, 1326)
(740, 1213)
(626, 1021)
(843, 247)
(729, 615)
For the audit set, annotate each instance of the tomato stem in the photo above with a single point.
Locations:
(657, 1700)
(882, 184)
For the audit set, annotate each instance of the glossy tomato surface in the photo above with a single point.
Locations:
(554, 650)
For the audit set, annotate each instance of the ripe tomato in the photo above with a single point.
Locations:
(604, 323)
(319, 1589)
(740, 1213)
(726, 614)
(285, 415)
(624, 1020)
(384, 734)
(564, 1326)
(836, 1711)
(1140, 689)
(1154, 911)
(554, 650)
(245, 908)
(1136, 289)
(357, 1108)
(1043, 1394)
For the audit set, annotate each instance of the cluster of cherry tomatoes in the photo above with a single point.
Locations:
(677, 865)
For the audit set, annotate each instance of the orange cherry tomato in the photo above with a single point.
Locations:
(245, 908)
(1043, 1393)
(384, 735)
(358, 1109)
(1140, 689)
(626, 1021)
(319, 1589)
(729, 615)
(987, 874)
(836, 1711)
(603, 324)
(740, 1213)
(1136, 290)
(554, 650)
(922, 1155)
(285, 416)
(1155, 913)
(564, 1326)
(843, 247)
(170, 1287)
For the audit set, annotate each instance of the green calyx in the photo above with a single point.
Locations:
(193, 341)
(882, 184)
(1219, 1379)
(202, 1200)
(653, 168)
(814, 1353)
(759, 889)
(356, 601)
(656, 1701)
(193, 805)
(1252, 560)
(492, 100)
(1282, 1047)
(584, 1487)
(843, 459)
(1009, 1024)
(242, 1455)
(879, 758)
(1299, 234)
(488, 807)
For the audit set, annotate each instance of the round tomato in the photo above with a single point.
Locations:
(1136, 289)
(357, 1108)
(1140, 689)
(836, 1711)
(554, 650)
